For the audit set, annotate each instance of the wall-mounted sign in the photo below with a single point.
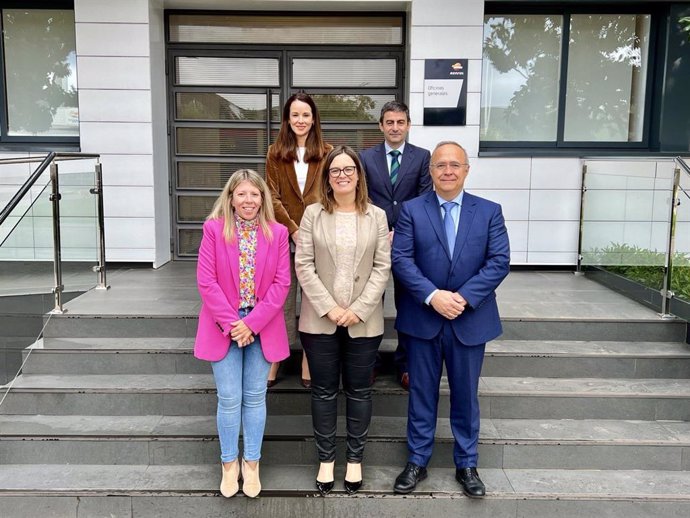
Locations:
(445, 92)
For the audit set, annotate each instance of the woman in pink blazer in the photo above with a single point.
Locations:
(243, 277)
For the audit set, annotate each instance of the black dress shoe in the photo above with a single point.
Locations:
(324, 487)
(352, 487)
(471, 484)
(305, 383)
(407, 480)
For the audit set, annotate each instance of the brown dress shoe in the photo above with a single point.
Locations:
(405, 381)
(306, 383)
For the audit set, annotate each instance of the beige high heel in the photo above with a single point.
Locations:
(251, 485)
(228, 484)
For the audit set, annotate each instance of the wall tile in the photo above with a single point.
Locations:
(114, 105)
(124, 137)
(446, 42)
(127, 73)
(112, 39)
(518, 235)
(127, 169)
(131, 11)
(564, 258)
(129, 233)
(515, 203)
(129, 201)
(447, 12)
(499, 173)
(556, 173)
(429, 136)
(553, 236)
(550, 205)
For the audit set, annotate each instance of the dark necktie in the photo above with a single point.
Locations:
(395, 165)
(449, 225)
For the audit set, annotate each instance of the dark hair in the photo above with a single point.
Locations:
(361, 192)
(395, 106)
(285, 147)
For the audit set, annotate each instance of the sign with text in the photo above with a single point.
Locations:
(445, 92)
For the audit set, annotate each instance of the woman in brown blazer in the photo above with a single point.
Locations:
(343, 264)
(292, 166)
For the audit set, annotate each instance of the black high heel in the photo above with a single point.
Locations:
(352, 487)
(324, 487)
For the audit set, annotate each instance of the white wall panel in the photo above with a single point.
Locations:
(554, 205)
(127, 73)
(114, 106)
(127, 170)
(112, 39)
(515, 203)
(129, 201)
(125, 137)
(429, 136)
(129, 233)
(518, 232)
(499, 173)
(446, 42)
(552, 236)
(120, 11)
(447, 12)
(556, 173)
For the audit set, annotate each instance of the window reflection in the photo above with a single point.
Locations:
(607, 70)
(521, 70)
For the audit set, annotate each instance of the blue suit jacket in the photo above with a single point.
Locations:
(422, 263)
(413, 178)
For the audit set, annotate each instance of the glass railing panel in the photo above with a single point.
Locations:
(680, 275)
(626, 218)
(78, 225)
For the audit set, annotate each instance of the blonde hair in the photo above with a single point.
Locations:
(361, 192)
(222, 208)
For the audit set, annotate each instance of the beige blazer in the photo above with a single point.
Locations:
(315, 268)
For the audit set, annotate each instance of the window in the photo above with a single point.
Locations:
(566, 80)
(39, 88)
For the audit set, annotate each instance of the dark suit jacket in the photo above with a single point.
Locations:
(422, 263)
(288, 201)
(413, 178)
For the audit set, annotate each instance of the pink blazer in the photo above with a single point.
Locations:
(218, 279)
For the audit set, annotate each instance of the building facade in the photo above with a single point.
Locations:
(177, 94)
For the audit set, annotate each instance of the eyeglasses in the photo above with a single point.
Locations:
(348, 171)
(453, 166)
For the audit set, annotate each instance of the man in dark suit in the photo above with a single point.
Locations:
(396, 172)
(450, 253)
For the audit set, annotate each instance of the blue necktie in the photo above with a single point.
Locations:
(449, 225)
(395, 165)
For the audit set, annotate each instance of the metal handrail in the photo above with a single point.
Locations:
(51, 160)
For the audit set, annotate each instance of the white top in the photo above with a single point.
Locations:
(389, 157)
(346, 242)
(301, 168)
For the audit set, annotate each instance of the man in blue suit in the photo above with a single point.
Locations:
(450, 253)
(396, 172)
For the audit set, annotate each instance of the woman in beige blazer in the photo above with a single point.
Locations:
(342, 263)
(293, 163)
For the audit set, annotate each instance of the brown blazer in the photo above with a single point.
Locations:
(288, 201)
(315, 267)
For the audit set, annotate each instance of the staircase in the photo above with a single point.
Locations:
(581, 416)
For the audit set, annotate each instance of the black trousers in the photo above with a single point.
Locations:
(329, 356)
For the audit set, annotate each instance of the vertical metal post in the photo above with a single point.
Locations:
(100, 230)
(57, 246)
(666, 291)
(583, 190)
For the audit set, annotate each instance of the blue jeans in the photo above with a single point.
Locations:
(241, 384)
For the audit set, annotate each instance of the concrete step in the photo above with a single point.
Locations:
(184, 490)
(500, 397)
(132, 355)
(76, 325)
(504, 443)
